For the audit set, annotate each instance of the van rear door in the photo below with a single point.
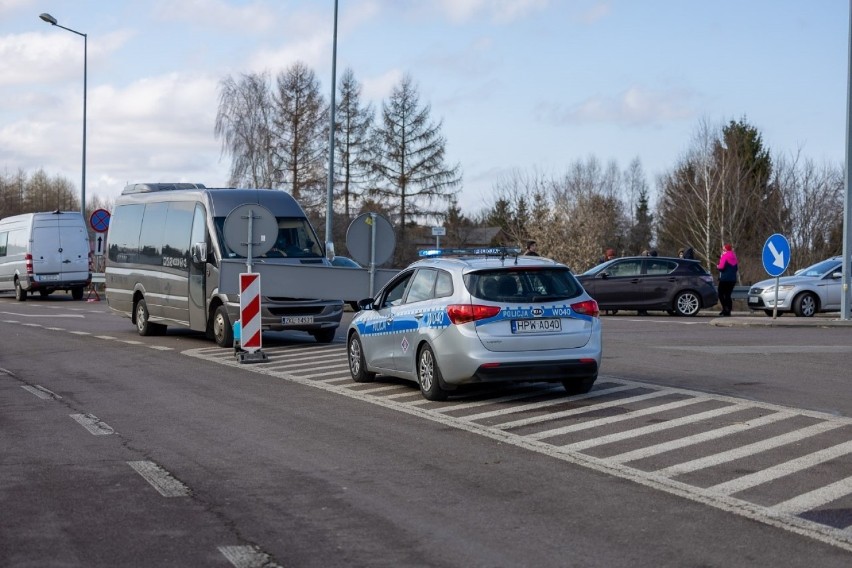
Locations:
(60, 248)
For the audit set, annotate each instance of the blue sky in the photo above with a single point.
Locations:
(529, 85)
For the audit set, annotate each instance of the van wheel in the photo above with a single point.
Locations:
(324, 335)
(20, 293)
(223, 333)
(143, 323)
(77, 293)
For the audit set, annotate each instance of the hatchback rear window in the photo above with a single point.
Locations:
(523, 285)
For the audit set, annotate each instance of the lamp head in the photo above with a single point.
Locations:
(48, 18)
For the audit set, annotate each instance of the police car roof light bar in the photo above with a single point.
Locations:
(501, 252)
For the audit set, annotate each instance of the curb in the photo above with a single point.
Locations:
(785, 321)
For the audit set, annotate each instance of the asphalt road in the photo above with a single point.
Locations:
(117, 450)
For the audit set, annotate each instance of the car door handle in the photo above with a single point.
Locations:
(418, 314)
(672, 279)
(635, 281)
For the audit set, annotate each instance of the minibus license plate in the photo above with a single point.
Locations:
(290, 320)
(48, 277)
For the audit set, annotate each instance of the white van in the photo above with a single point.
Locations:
(45, 252)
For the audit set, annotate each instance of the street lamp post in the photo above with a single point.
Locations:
(52, 21)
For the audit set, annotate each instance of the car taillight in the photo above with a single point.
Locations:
(91, 262)
(589, 308)
(28, 262)
(464, 313)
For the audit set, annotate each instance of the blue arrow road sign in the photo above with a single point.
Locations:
(776, 255)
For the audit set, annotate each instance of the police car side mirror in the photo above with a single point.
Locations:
(366, 304)
(603, 275)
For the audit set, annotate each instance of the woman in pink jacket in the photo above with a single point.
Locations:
(728, 267)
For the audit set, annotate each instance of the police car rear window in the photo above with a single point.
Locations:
(523, 285)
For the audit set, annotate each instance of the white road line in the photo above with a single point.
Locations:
(56, 328)
(654, 428)
(93, 424)
(330, 368)
(160, 479)
(381, 388)
(759, 349)
(499, 400)
(311, 366)
(584, 409)
(554, 402)
(782, 469)
(41, 392)
(81, 333)
(816, 498)
(620, 418)
(42, 315)
(247, 557)
(699, 438)
(747, 450)
(105, 337)
(341, 378)
(797, 525)
(32, 324)
(161, 348)
(131, 341)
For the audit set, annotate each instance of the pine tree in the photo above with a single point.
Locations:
(410, 160)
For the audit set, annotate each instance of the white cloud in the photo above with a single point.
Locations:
(379, 88)
(499, 11)
(249, 17)
(635, 106)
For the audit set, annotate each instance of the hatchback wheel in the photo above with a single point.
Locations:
(805, 305)
(429, 375)
(687, 303)
(357, 361)
(579, 386)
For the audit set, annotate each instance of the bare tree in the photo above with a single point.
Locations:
(813, 207)
(300, 123)
(410, 163)
(244, 123)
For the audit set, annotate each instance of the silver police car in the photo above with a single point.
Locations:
(474, 316)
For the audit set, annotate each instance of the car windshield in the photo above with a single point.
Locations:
(821, 268)
(523, 284)
(295, 238)
(598, 268)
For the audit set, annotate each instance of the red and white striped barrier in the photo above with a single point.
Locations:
(250, 312)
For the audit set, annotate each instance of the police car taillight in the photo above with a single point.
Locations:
(464, 313)
(589, 308)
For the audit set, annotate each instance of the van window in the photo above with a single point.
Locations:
(4, 237)
(176, 235)
(123, 237)
(151, 236)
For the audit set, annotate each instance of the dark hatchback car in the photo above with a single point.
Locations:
(676, 285)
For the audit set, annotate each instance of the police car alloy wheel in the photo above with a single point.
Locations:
(357, 363)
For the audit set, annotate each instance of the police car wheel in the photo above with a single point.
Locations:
(579, 386)
(357, 361)
(429, 375)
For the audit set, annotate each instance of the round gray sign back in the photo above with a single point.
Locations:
(359, 235)
(264, 229)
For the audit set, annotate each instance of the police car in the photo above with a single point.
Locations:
(474, 316)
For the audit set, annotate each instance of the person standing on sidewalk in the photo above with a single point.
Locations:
(728, 267)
